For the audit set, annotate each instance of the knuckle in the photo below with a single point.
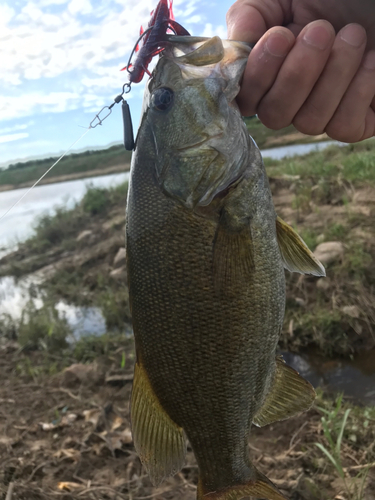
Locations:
(272, 120)
(340, 132)
(308, 121)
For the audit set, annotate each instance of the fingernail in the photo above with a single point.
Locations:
(353, 34)
(369, 60)
(278, 44)
(318, 36)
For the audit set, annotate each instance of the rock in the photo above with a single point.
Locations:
(84, 374)
(84, 235)
(352, 311)
(308, 489)
(323, 284)
(115, 222)
(118, 274)
(329, 251)
(120, 258)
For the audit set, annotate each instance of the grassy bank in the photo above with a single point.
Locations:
(72, 164)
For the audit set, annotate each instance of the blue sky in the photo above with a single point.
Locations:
(60, 64)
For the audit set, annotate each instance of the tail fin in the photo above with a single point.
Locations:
(259, 487)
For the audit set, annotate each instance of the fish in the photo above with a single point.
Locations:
(206, 254)
(162, 20)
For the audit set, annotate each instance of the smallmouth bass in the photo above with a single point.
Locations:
(206, 254)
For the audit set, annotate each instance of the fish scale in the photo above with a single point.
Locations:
(206, 285)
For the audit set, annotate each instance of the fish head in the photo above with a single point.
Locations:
(198, 138)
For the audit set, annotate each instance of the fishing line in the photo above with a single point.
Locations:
(45, 173)
(128, 136)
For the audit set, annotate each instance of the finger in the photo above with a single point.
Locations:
(297, 76)
(248, 20)
(342, 65)
(354, 119)
(263, 65)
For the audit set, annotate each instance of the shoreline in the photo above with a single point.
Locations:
(115, 169)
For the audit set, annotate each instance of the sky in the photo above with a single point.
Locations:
(60, 63)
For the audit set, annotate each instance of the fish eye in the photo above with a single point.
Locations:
(162, 99)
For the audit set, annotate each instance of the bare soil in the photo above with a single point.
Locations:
(67, 436)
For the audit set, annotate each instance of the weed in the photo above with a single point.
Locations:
(89, 348)
(309, 236)
(43, 328)
(335, 425)
(114, 305)
(95, 201)
(335, 232)
(302, 200)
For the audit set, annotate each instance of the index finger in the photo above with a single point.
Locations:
(248, 20)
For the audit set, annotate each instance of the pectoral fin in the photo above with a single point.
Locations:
(233, 256)
(289, 395)
(296, 255)
(159, 442)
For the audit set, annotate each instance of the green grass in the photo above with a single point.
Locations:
(63, 224)
(344, 426)
(43, 328)
(354, 163)
(21, 172)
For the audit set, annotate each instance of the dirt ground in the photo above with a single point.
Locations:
(67, 436)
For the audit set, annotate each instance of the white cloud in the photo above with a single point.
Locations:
(13, 137)
(73, 64)
(6, 14)
(80, 7)
(29, 104)
(210, 31)
(7, 130)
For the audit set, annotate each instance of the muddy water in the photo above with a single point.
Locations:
(14, 298)
(356, 378)
(18, 224)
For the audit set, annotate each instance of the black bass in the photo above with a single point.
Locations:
(206, 254)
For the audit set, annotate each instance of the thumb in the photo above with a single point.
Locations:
(248, 20)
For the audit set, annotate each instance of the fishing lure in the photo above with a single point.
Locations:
(153, 38)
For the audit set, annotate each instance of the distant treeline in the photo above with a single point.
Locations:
(18, 173)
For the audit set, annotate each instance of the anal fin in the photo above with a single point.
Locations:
(296, 255)
(259, 487)
(159, 442)
(289, 395)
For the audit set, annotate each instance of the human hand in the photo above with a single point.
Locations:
(313, 64)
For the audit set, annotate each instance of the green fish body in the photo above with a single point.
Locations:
(206, 256)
